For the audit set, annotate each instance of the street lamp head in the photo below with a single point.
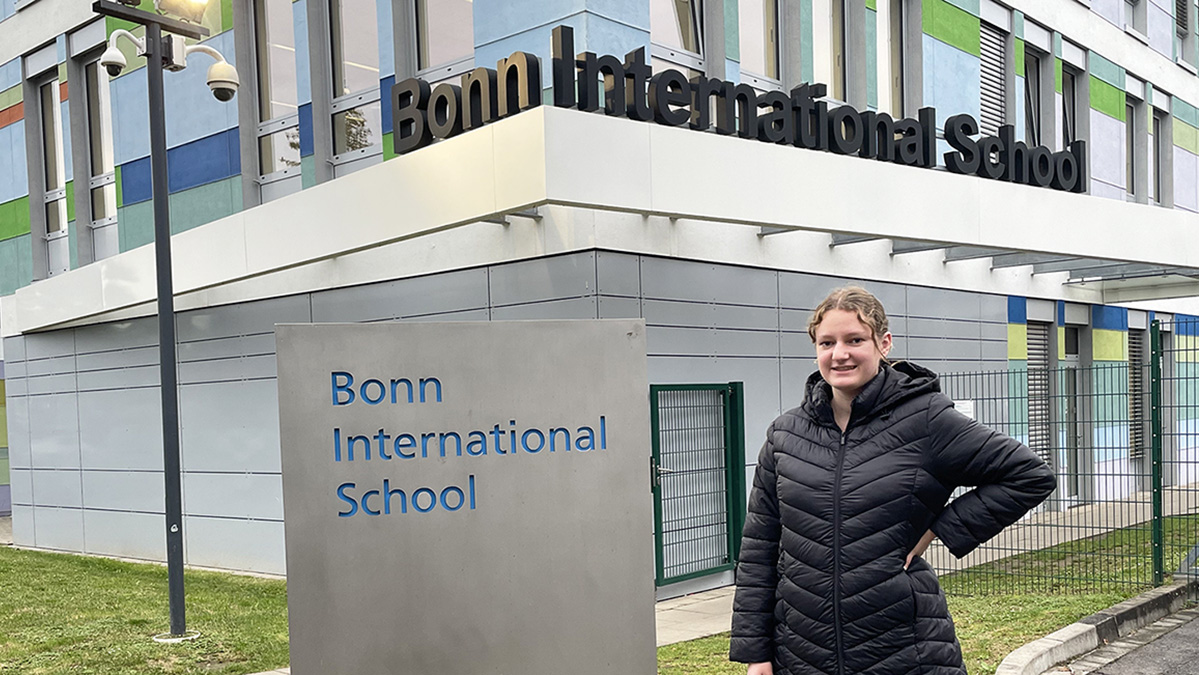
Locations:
(188, 10)
(222, 80)
(113, 60)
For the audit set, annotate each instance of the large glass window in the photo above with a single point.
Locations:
(445, 33)
(1130, 116)
(357, 124)
(54, 175)
(677, 33)
(838, 46)
(1032, 97)
(278, 102)
(1069, 109)
(758, 25)
(102, 181)
(896, 43)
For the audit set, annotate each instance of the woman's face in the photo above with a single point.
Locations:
(846, 351)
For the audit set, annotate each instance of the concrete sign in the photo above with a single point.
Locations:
(467, 498)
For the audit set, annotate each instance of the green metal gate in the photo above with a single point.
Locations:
(698, 476)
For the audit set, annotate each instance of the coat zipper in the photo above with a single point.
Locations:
(837, 557)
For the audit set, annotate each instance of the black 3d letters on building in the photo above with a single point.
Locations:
(631, 89)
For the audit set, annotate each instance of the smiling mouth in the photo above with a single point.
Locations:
(843, 369)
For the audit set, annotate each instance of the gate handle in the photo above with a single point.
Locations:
(663, 471)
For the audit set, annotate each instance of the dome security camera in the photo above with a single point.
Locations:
(113, 61)
(222, 80)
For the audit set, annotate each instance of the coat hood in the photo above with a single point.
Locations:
(895, 382)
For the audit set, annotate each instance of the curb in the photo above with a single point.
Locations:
(1097, 629)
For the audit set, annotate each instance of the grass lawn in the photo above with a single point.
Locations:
(75, 614)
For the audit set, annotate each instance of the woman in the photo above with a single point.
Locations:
(850, 489)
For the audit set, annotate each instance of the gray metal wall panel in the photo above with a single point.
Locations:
(711, 342)
(235, 544)
(619, 308)
(993, 331)
(934, 348)
(57, 488)
(119, 358)
(124, 491)
(994, 350)
(58, 528)
(117, 378)
(566, 276)
(14, 349)
(573, 308)
(708, 315)
(898, 324)
(618, 274)
(243, 319)
(230, 426)
(223, 348)
(942, 303)
(46, 345)
(899, 347)
(22, 486)
(664, 279)
(226, 370)
(233, 495)
(117, 336)
(465, 315)
(804, 291)
(452, 291)
(795, 320)
(942, 328)
(18, 430)
(14, 370)
(893, 296)
(993, 308)
(54, 441)
(52, 366)
(16, 387)
(796, 345)
(126, 534)
(51, 384)
(23, 519)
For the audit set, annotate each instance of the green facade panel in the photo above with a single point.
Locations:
(952, 25)
(16, 263)
(204, 204)
(1107, 99)
(14, 218)
(135, 225)
(1186, 136)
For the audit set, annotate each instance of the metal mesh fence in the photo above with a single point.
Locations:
(1123, 439)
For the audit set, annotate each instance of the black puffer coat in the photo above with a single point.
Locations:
(820, 585)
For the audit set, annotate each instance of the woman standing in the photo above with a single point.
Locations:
(850, 489)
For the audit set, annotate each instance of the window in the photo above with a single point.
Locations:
(992, 77)
(1130, 112)
(357, 121)
(897, 28)
(1135, 16)
(1161, 159)
(1069, 127)
(676, 32)
(278, 102)
(50, 99)
(758, 25)
(445, 35)
(840, 85)
(1032, 97)
(102, 179)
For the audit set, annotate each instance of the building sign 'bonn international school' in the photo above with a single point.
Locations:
(631, 89)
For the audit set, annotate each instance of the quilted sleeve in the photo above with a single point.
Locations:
(757, 569)
(1008, 478)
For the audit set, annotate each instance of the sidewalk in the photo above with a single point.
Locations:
(1167, 647)
(5, 530)
(679, 619)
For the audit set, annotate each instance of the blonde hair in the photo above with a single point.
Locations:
(857, 300)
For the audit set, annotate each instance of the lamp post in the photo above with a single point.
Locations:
(169, 52)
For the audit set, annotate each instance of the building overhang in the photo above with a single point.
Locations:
(555, 157)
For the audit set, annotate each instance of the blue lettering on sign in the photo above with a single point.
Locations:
(423, 500)
(449, 443)
(374, 392)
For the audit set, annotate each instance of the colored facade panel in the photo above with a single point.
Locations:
(952, 25)
(1109, 345)
(1107, 98)
(1017, 342)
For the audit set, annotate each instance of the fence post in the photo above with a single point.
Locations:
(1155, 430)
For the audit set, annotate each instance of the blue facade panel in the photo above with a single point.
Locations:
(385, 109)
(136, 185)
(1109, 318)
(1017, 309)
(14, 179)
(306, 142)
(204, 161)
